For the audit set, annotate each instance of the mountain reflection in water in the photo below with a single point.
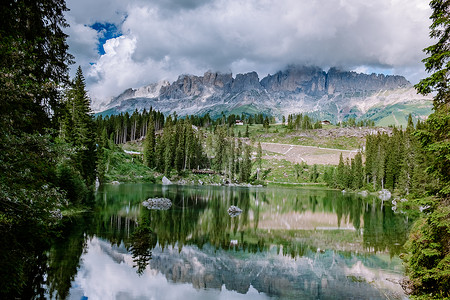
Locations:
(286, 243)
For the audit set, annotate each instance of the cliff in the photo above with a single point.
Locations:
(334, 95)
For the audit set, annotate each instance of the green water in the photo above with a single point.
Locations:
(286, 244)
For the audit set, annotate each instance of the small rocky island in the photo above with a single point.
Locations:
(157, 203)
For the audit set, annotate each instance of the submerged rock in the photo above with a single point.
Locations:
(363, 193)
(157, 203)
(166, 181)
(234, 211)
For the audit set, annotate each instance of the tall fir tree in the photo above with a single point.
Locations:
(149, 144)
(82, 133)
(340, 175)
(259, 155)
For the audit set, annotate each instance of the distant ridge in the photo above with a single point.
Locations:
(334, 95)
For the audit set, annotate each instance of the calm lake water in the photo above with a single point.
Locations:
(286, 244)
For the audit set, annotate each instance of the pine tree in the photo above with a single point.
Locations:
(180, 146)
(83, 130)
(33, 67)
(340, 176)
(149, 144)
(266, 123)
(259, 155)
(357, 171)
(246, 168)
(220, 148)
(429, 244)
(314, 174)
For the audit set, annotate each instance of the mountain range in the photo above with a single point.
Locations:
(335, 95)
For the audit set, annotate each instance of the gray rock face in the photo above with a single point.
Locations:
(310, 80)
(352, 83)
(166, 181)
(246, 82)
(298, 89)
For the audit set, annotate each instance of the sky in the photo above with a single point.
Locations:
(124, 44)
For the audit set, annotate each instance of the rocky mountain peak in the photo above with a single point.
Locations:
(333, 95)
(245, 82)
(307, 79)
(350, 82)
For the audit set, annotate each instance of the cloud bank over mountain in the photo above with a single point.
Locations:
(162, 39)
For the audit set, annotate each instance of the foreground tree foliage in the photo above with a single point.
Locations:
(428, 263)
(33, 69)
(77, 170)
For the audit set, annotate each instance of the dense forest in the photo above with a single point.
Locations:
(396, 162)
(181, 144)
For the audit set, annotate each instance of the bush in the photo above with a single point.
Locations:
(70, 181)
(428, 261)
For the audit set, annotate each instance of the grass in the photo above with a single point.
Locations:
(124, 167)
(397, 114)
(283, 172)
(278, 133)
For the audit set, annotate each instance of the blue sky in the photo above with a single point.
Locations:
(106, 31)
(130, 43)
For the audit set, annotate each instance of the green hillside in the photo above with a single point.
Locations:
(397, 114)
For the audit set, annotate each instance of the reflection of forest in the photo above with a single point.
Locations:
(283, 217)
(312, 218)
(198, 216)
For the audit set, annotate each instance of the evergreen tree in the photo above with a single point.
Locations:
(179, 141)
(436, 136)
(220, 148)
(246, 168)
(340, 176)
(149, 144)
(232, 157)
(159, 154)
(297, 171)
(429, 244)
(357, 171)
(266, 123)
(314, 174)
(259, 155)
(83, 128)
(33, 66)
(189, 153)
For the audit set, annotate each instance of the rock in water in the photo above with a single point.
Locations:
(166, 181)
(384, 195)
(157, 203)
(234, 211)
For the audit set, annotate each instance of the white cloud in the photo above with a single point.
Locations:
(82, 40)
(161, 41)
(100, 277)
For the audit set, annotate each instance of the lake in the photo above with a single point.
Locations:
(285, 244)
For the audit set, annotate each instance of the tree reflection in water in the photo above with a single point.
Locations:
(199, 217)
(143, 240)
